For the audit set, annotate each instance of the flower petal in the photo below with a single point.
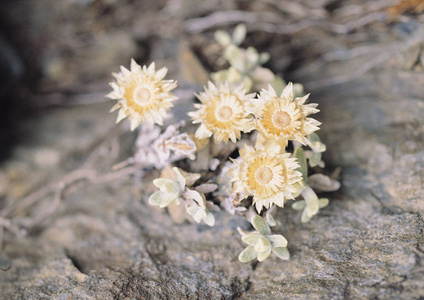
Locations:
(287, 93)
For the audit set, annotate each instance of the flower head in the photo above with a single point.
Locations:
(222, 112)
(267, 175)
(284, 118)
(142, 94)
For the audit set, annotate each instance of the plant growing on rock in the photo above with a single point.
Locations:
(264, 131)
(262, 242)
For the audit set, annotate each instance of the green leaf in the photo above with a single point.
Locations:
(251, 238)
(305, 217)
(277, 240)
(298, 90)
(196, 196)
(248, 254)
(299, 186)
(235, 57)
(299, 153)
(158, 182)
(313, 137)
(209, 219)
(196, 212)
(312, 203)
(282, 253)
(316, 144)
(270, 219)
(263, 244)
(252, 55)
(321, 182)
(312, 210)
(167, 186)
(180, 178)
(239, 34)
(260, 225)
(156, 198)
(263, 58)
(315, 159)
(222, 38)
(167, 199)
(299, 205)
(323, 202)
(264, 255)
(318, 147)
(206, 188)
(260, 74)
(220, 76)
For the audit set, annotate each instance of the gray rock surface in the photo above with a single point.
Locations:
(105, 242)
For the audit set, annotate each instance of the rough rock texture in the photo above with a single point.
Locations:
(105, 242)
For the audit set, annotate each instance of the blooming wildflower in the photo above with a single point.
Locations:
(266, 174)
(142, 94)
(284, 118)
(222, 112)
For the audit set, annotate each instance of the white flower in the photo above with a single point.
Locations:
(266, 174)
(142, 94)
(283, 118)
(222, 113)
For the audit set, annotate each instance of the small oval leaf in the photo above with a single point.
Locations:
(251, 238)
(299, 205)
(277, 240)
(260, 225)
(264, 255)
(315, 159)
(299, 153)
(239, 34)
(282, 253)
(323, 202)
(248, 254)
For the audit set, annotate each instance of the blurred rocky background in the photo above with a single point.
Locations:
(70, 230)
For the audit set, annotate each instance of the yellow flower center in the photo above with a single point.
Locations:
(223, 113)
(263, 175)
(281, 119)
(141, 95)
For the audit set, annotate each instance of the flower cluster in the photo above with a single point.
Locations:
(256, 170)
